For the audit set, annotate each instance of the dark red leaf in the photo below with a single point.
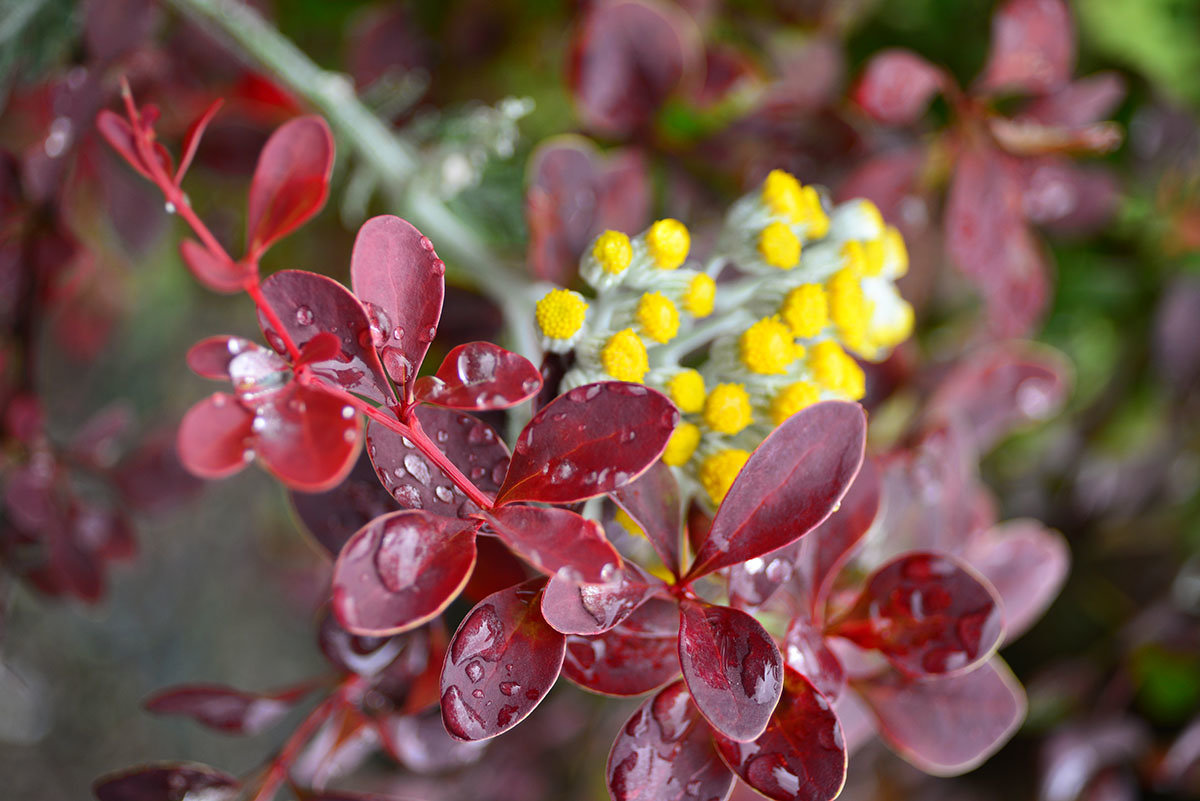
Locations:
(503, 660)
(480, 376)
(322, 347)
(421, 744)
(1032, 49)
(897, 85)
(353, 653)
(732, 668)
(210, 357)
(307, 438)
(396, 273)
(117, 131)
(114, 28)
(639, 654)
(224, 708)
(216, 273)
(950, 724)
(654, 502)
(587, 442)
(96, 442)
(806, 652)
(790, 484)
(334, 515)
(1026, 563)
(589, 609)
(191, 140)
(927, 614)
(471, 445)
(556, 541)
(166, 781)
(801, 756)
(308, 304)
(1079, 103)
(291, 182)
(664, 753)
(1069, 198)
(495, 569)
(215, 438)
(401, 570)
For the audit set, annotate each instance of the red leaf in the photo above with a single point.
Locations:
(947, 725)
(421, 744)
(215, 437)
(639, 654)
(164, 781)
(801, 755)
(334, 515)
(224, 708)
(503, 660)
(480, 376)
(117, 131)
(365, 656)
(791, 483)
(306, 438)
(732, 668)
(416, 483)
(495, 569)
(1026, 563)
(587, 442)
(897, 85)
(210, 357)
(1079, 103)
(216, 273)
(927, 614)
(654, 502)
(291, 182)
(1032, 49)
(308, 304)
(556, 540)
(191, 140)
(664, 753)
(589, 609)
(400, 571)
(806, 652)
(396, 273)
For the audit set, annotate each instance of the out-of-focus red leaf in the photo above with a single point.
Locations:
(224, 708)
(654, 502)
(334, 515)
(897, 85)
(308, 304)
(495, 569)
(801, 756)
(888, 180)
(554, 540)
(639, 654)
(210, 357)
(1177, 334)
(587, 442)
(112, 28)
(728, 73)
(396, 273)
(421, 744)
(790, 484)
(215, 437)
(291, 182)
(166, 780)
(152, 477)
(97, 440)
(1078, 103)
(401, 570)
(353, 653)
(1068, 198)
(1026, 563)
(805, 651)
(503, 660)
(1032, 48)
(117, 131)
(308, 441)
(950, 724)
(480, 376)
(219, 275)
(732, 667)
(191, 140)
(664, 753)
(573, 607)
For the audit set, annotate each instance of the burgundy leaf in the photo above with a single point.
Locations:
(554, 540)
(217, 273)
(117, 131)
(589, 609)
(401, 570)
(639, 654)
(654, 502)
(897, 86)
(1026, 563)
(1032, 49)
(421, 744)
(480, 376)
(503, 660)
(1079, 103)
(191, 140)
(308, 304)
(732, 668)
(291, 182)
(164, 782)
(947, 725)
(354, 653)
(210, 357)
(791, 483)
(926, 614)
(224, 708)
(801, 756)
(334, 515)
(495, 569)
(309, 439)
(806, 652)
(587, 442)
(664, 753)
(889, 180)
(215, 437)
(416, 483)
(396, 273)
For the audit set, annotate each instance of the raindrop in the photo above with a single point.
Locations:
(474, 671)
(169, 207)
(563, 471)
(398, 333)
(347, 412)
(248, 455)
(304, 315)
(510, 687)
(417, 468)
(444, 494)
(425, 243)
(442, 435)
(477, 365)
(477, 693)
(439, 267)
(259, 425)
(408, 496)
(350, 434)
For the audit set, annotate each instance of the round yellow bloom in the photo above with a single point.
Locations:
(682, 444)
(792, 399)
(700, 294)
(767, 347)
(686, 390)
(782, 195)
(624, 357)
(779, 247)
(613, 252)
(874, 251)
(855, 257)
(895, 329)
(668, 241)
(895, 252)
(848, 306)
(657, 316)
(871, 212)
(814, 214)
(560, 313)
(727, 409)
(835, 370)
(719, 470)
(806, 310)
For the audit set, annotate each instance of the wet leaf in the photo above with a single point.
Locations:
(166, 781)
(354, 653)
(1026, 563)
(421, 744)
(334, 515)
(639, 654)
(806, 652)
(224, 708)
(573, 607)
(214, 437)
(1032, 49)
(306, 439)
(897, 85)
(554, 540)
(291, 182)
(211, 357)
(480, 376)
(216, 273)
(654, 502)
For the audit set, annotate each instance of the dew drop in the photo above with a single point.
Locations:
(347, 412)
(510, 687)
(477, 365)
(259, 425)
(169, 207)
(474, 671)
(442, 435)
(304, 315)
(408, 496)
(439, 267)
(425, 243)
(461, 721)
(417, 468)
(477, 693)
(444, 494)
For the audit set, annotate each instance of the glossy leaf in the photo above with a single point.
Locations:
(592, 440)
(639, 654)
(806, 652)
(401, 570)
(897, 86)
(215, 437)
(496, 568)
(166, 781)
(732, 667)
(1033, 47)
(589, 609)
(664, 753)
(396, 273)
(1026, 563)
(117, 131)
(334, 515)
(480, 376)
(801, 756)
(216, 273)
(950, 724)
(421, 744)
(790, 484)
(654, 502)
(355, 653)
(291, 182)
(224, 708)
(503, 660)
(927, 614)
(211, 357)
(554, 540)
(308, 439)
(191, 140)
